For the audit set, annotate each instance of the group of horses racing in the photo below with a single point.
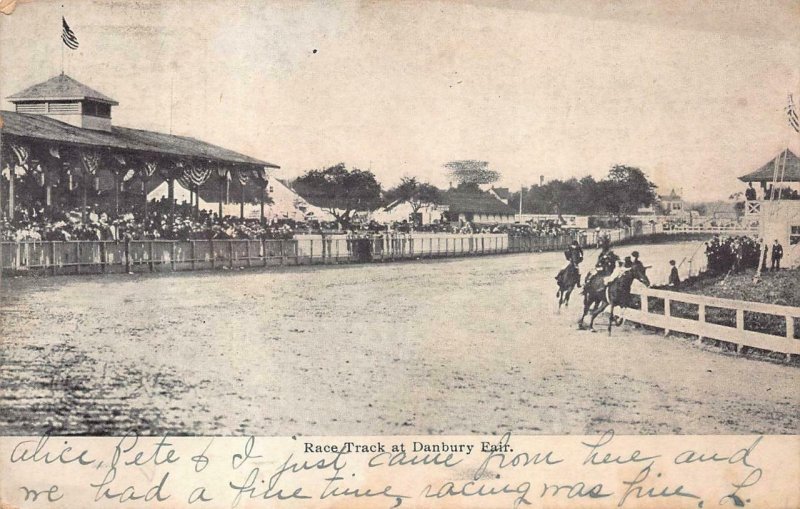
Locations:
(608, 284)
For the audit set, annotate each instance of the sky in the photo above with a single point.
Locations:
(693, 93)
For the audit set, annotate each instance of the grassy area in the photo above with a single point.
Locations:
(781, 288)
(662, 238)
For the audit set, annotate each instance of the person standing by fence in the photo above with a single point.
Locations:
(674, 278)
(777, 254)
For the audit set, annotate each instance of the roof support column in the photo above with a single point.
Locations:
(118, 168)
(146, 173)
(177, 168)
(222, 175)
(21, 159)
(90, 161)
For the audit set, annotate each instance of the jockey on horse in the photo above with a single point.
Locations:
(614, 290)
(570, 275)
(606, 262)
(574, 255)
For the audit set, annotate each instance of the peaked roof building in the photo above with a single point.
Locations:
(766, 173)
(62, 126)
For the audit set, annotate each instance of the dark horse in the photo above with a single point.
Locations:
(566, 280)
(616, 294)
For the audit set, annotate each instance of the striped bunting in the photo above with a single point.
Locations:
(195, 175)
(149, 169)
(244, 177)
(90, 162)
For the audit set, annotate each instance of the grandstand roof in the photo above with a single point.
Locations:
(40, 127)
(767, 172)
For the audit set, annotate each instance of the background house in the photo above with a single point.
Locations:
(402, 211)
(671, 204)
(476, 206)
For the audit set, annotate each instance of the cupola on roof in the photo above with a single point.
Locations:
(59, 88)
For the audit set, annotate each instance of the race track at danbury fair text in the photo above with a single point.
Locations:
(454, 346)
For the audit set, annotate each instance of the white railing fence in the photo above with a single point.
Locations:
(782, 318)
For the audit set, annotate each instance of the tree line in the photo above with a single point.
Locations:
(342, 192)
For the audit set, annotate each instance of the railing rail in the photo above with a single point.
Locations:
(702, 328)
(729, 230)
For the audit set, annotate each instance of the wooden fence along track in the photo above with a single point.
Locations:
(77, 257)
(700, 327)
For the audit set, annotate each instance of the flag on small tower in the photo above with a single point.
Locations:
(68, 36)
(792, 113)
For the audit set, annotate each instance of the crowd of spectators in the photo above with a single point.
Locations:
(726, 254)
(183, 222)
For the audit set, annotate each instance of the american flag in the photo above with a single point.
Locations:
(68, 36)
(792, 114)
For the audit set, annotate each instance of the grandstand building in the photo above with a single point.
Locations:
(60, 145)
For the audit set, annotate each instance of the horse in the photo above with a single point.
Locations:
(567, 279)
(616, 294)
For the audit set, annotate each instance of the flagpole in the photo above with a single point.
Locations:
(62, 42)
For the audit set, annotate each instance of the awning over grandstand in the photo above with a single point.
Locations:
(766, 174)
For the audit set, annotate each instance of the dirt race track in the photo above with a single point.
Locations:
(452, 346)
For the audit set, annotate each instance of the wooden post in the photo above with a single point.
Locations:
(222, 184)
(249, 255)
(230, 254)
(83, 196)
(144, 195)
(241, 200)
(264, 251)
(152, 260)
(171, 198)
(667, 312)
(172, 254)
(311, 260)
(53, 256)
(103, 256)
(77, 256)
(283, 252)
(11, 179)
(116, 192)
(194, 254)
(2, 207)
(261, 204)
(739, 326)
(127, 255)
(701, 318)
(790, 327)
(48, 192)
(213, 255)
